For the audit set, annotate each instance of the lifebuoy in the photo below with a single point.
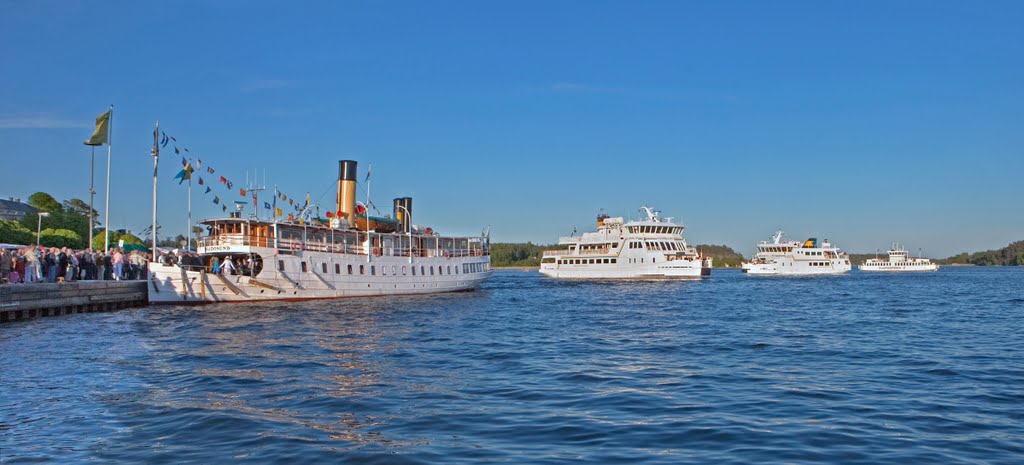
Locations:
(376, 251)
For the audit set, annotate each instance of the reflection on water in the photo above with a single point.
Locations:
(849, 369)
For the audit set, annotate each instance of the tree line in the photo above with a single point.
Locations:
(1011, 255)
(65, 225)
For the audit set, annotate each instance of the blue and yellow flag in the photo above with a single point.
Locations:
(99, 136)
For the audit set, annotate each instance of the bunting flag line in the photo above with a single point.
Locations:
(184, 162)
(176, 152)
(209, 169)
(266, 205)
(230, 185)
(223, 180)
(223, 208)
(278, 212)
(241, 192)
(200, 180)
(186, 150)
(291, 202)
(199, 163)
(207, 190)
(216, 199)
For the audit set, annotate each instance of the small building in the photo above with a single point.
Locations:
(14, 209)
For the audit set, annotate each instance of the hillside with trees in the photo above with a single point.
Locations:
(1011, 255)
(528, 254)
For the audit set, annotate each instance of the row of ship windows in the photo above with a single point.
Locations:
(586, 261)
(466, 268)
(777, 249)
(655, 245)
(654, 230)
(898, 264)
(809, 252)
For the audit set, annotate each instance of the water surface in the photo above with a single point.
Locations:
(862, 368)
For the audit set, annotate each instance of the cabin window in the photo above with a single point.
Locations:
(373, 270)
(350, 269)
(449, 269)
(431, 271)
(304, 269)
(413, 270)
(614, 260)
(280, 265)
(465, 267)
(422, 272)
(337, 268)
(403, 271)
(323, 266)
(384, 270)
(362, 269)
(394, 270)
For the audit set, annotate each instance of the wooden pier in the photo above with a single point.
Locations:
(20, 301)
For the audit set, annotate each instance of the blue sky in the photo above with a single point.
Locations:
(862, 122)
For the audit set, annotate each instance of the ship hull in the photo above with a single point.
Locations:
(679, 269)
(324, 276)
(899, 269)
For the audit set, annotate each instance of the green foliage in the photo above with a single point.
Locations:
(44, 202)
(13, 232)
(723, 256)
(60, 238)
(72, 216)
(1011, 255)
(97, 240)
(518, 254)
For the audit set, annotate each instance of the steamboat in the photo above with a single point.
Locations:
(351, 255)
(652, 248)
(811, 257)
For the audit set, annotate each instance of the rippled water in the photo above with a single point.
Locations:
(861, 368)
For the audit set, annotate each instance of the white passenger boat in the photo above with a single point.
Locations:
(811, 257)
(352, 255)
(652, 248)
(899, 260)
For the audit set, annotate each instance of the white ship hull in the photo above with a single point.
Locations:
(797, 268)
(380, 276)
(676, 269)
(898, 268)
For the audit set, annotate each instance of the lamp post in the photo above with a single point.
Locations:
(407, 212)
(39, 226)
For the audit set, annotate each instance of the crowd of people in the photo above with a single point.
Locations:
(226, 265)
(34, 264)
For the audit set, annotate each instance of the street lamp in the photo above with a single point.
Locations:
(39, 227)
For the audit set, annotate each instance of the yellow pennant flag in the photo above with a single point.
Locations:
(278, 212)
(99, 136)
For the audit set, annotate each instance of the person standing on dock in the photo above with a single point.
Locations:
(5, 265)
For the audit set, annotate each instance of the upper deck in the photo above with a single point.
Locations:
(228, 235)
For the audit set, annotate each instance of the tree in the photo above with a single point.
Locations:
(80, 207)
(44, 202)
(13, 232)
(115, 237)
(60, 238)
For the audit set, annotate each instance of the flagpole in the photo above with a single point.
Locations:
(188, 245)
(156, 158)
(369, 240)
(92, 194)
(106, 209)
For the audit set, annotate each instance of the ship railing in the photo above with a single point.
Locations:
(561, 252)
(342, 248)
